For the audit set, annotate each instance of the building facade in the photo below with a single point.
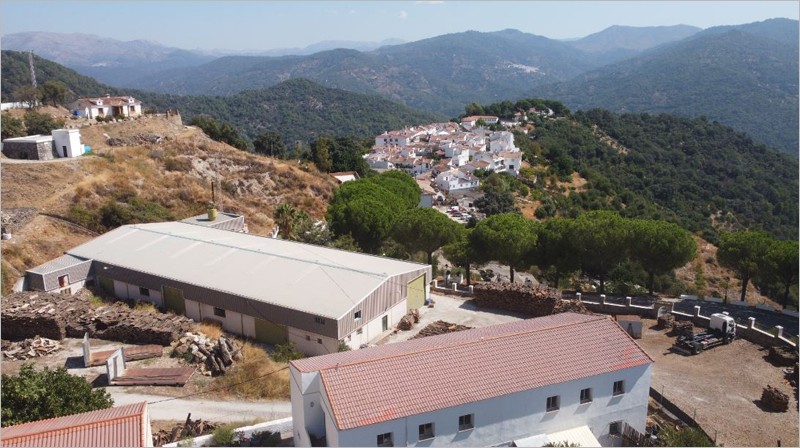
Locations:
(107, 106)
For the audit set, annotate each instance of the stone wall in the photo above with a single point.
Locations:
(30, 150)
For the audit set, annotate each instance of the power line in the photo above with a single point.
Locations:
(218, 388)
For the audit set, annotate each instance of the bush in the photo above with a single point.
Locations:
(37, 123)
(223, 436)
(343, 347)
(37, 395)
(286, 352)
(683, 437)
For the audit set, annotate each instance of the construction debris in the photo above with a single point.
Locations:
(535, 301)
(13, 219)
(666, 321)
(214, 358)
(440, 327)
(782, 356)
(190, 428)
(774, 400)
(31, 348)
(684, 328)
(138, 139)
(56, 316)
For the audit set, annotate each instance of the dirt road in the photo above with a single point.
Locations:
(206, 409)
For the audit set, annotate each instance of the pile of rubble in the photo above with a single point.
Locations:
(214, 358)
(13, 219)
(774, 400)
(683, 328)
(440, 327)
(30, 348)
(782, 356)
(535, 301)
(56, 316)
(666, 321)
(408, 321)
(138, 139)
(191, 428)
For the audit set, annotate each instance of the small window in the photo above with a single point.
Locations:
(385, 439)
(308, 338)
(619, 387)
(63, 281)
(586, 396)
(615, 428)
(219, 312)
(358, 315)
(426, 431)
(319, 340)
(144, 292)
(465, 422)
(319, 320)
(359, 331)
(552, 403)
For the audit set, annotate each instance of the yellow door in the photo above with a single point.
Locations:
(416, 293)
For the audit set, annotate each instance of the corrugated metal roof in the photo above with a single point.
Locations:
(313, 279)
(117, 426)
(61, 262)
(451, 370)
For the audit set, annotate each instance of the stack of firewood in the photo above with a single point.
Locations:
(191, 428)
(440, 327)
(31, 348)
(536, 301)
(214, 358)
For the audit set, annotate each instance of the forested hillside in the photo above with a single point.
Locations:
(298, 109)
(744, 80)
(705, 176)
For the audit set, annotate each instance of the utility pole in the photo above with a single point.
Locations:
(30, 63)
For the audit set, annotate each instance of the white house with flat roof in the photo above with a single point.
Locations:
(568, 376)
(268, 289)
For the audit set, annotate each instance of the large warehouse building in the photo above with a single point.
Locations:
(267, 289)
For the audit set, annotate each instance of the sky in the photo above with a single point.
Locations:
(269, 25)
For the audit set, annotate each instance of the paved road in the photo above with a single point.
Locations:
(207, 409)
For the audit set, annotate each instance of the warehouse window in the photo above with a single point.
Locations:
(385, 439)
(358, 315)
(586, 396)
(144, 292)
(219, 312)
(319, 320)
(425, 431)
(359, 331)
(615, 428)
(308, 337)
(619, 387)
(319, 340)
(465, 422)
(552, 403)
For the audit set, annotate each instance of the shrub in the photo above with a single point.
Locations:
(223, 436)
(37, 395)
(286, 352)
(683, 437)
(173, 164)
(343, 347)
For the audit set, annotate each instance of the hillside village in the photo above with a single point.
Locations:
(522, 275)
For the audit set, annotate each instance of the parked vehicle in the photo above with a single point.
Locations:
(721, 330)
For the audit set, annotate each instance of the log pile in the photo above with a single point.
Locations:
(31, 348)
(536, 301)
(439, 327)
(408, 321)
(191, 428)
(685, 328)
(665, 321)
(774, 400)
(782, 356)
(56, 316)
(214, 358)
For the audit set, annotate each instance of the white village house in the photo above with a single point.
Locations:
(561, 378)
(106, 106)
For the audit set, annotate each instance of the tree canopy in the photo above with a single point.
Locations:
(38, 123)
(507, 238)
(54, 92)
(660, 247)
(744, 253)
(426, 230)
(556, 252)
(602, 238)
(270, 144)
(781, 265)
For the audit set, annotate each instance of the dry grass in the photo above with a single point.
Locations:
(210, 328)
(146, 307)
(256, 363)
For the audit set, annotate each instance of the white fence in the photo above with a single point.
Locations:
(283, 425)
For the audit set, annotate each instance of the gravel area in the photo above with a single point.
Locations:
(723, 386)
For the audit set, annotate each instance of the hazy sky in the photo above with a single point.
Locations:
(267, 25)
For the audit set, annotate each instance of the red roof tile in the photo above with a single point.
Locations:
(117, 426)
(414, 377)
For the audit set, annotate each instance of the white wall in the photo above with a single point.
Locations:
(309, 410)
(374, 328)
(124, 290)
(71, 138)
(192, 309)
(309, 345)
(511, 417)
(232, 321)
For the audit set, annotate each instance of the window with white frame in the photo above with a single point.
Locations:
(586, 395)
(553, 403)
(619, 387)
(385, 439)
(358, 315)
(615, 428)
(426, 431)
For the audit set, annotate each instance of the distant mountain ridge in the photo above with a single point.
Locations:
(300, 110)
(629, 40)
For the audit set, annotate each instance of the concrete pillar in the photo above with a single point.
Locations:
(697, 311)
(471, 289)
(455, 286)
(628, 301)
(780, 330)
(446, 278)
(460, 278)
(602, 299)
(752, 324)
(578, 296)
(436, 283)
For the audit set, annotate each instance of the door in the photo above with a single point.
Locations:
(173, 300)
(416, 293)
(65, 151)
(385, 323)
(269, 332)
(106, 284)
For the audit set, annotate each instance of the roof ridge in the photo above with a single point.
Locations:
(460, 344)
(140, 408)
(74, 428)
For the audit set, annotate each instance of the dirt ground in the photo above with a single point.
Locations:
(723, 386)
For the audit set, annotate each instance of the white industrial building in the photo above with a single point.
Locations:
(571, 376)
(268, 289)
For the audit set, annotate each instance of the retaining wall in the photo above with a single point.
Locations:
(749, 332)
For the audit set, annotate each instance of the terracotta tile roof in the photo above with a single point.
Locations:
(117, 426)
(423, 375)
(111, 100)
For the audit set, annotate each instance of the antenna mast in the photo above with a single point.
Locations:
(30, 63)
